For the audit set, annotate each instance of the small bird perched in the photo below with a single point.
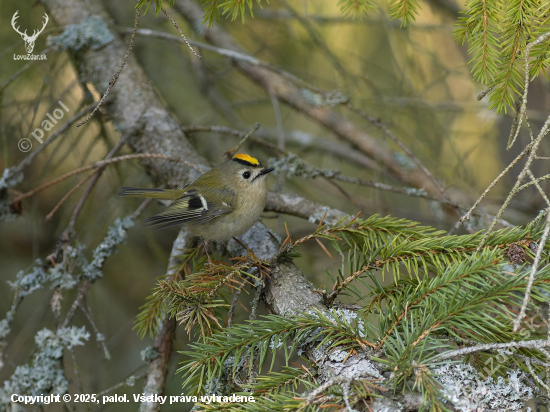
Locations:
(223, 203)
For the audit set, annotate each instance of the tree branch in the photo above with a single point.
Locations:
(288, 92)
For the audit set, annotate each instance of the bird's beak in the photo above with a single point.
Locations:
(263, 172)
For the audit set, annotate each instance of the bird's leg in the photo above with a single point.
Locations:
(205, 247)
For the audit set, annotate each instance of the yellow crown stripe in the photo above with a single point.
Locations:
(246, 158)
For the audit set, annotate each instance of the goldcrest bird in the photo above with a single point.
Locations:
(223, 203)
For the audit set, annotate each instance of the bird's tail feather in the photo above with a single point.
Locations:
(170, 194)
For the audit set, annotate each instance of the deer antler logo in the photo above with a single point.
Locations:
(29, 40)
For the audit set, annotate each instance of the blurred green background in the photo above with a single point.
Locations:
(415, 79)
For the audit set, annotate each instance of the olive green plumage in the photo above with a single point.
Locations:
(224, 202)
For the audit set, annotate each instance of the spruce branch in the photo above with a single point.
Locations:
(449, 306)
(205, 360)
(390, 252)
(405, 10)
(357, 9)
(516, 31)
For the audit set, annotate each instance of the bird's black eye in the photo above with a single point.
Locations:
(246, 175)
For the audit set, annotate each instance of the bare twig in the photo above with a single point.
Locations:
(346, 194)
(27, 160)
(535, 376)
(81, 292)
(121, 384)
(90, 316)
(231, 132)
(256, 301)
(534, 181)
(176, 25)
(535, 143)
(95, 165)
(227, 53)
(534, 268)
(312, 142)
(377, 123)
(22, 70)
(494, 182)
(67, 195)
(96, 177)
(214, 129)
(340, 126)
(523, 101)
(533, 344)
(484, 93)
(520, 178)
(141, 208)
(117, 74)
(229, 154)
(232, 307)
(158, 367)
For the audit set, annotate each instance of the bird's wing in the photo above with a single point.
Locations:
(193, 207)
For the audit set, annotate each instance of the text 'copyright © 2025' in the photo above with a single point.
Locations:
(136, 397)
